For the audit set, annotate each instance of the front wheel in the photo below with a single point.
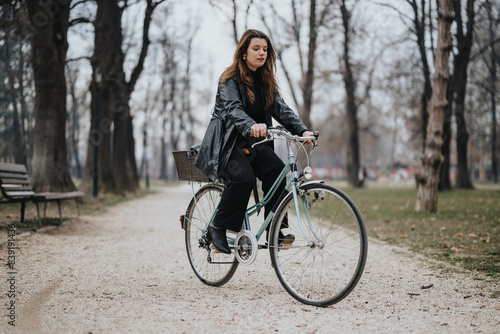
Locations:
(328, 256)
(210, 266)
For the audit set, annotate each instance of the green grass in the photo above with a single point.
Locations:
(464, 232)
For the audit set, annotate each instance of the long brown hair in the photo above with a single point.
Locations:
(239, 67)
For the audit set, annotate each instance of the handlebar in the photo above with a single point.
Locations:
(280, 131)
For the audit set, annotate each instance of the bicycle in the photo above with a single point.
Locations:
(325, 261)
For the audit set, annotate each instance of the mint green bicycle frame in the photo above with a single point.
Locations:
(291, 184)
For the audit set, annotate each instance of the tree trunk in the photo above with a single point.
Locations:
(74, 123)
(18, 147)
(460, 66)
(120, 172)
(307, 89)
(124, 165)
(482, 160)
(107, 31)
(419, 23)
(444, 174)
(492, 90)
(494, 157)
(49, 45)
(427, 196)
(124, 161)
(353, 160)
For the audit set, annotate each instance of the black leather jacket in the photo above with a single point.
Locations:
(229, 118)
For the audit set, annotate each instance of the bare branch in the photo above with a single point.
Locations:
(79, 20)
(279, 54)
(78, 59)
(400, 13)
(150, 7)
(77, 4)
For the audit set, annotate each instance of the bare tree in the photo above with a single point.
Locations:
(318, 15)
(49, 45)
(422, 30)
(353, 159)
(460, 67)
(419, 28)
(231, 9)
(117, 166)
(456, 93)
(491, 61)
(14, 64)
(73, 119)
(427, 196)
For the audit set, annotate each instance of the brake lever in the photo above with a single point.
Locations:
(269, 137)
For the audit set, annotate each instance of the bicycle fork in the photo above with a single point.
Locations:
(296, 193)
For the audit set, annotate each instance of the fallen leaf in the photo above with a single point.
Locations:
(472, 235)
(485, 239)
(459, 235)
(447, 246)
(403, 236)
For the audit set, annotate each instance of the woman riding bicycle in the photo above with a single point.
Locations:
(247, 98)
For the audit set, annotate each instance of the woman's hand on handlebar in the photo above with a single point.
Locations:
(308, 134)
(259, 130)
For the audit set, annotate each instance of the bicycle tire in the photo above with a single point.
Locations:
(211, 267)
(319, 274)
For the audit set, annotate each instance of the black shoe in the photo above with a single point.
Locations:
(283, 239)
(218, 236)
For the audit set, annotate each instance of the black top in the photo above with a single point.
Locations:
(256, 110)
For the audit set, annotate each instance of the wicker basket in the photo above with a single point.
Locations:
(186, 170)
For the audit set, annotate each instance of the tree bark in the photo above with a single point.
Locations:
(427, 196)
(419, 23)
(49, 45)
(353, 159)
(18, 147)
(107, 31)
(11, 54)
(460, 66)
(307, 89)
(444, 174)
(493, 75)
(74, 123)
(119, 172)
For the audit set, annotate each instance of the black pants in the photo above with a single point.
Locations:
(241, 170)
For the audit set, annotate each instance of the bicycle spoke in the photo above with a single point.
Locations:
(325, 271)
(221, 267)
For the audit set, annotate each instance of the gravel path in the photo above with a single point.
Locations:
(126, 271)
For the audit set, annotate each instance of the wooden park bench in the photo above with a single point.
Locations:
(16, 188)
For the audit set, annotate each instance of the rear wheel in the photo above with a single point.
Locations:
(210, 266)
(328, 256)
